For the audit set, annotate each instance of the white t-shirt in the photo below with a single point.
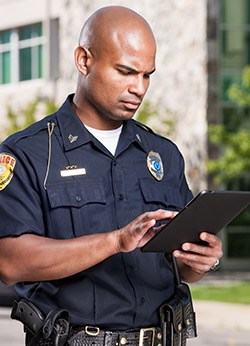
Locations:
(109, 138)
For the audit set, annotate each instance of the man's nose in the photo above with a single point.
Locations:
(139, 85)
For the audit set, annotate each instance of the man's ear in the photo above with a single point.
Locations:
(83, 59)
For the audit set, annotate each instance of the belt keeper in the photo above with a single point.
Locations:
(92, 331)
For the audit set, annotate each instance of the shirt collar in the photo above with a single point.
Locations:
(74, 133)
(131, 134)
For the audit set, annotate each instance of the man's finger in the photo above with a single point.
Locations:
(212, 239)
(160, 214)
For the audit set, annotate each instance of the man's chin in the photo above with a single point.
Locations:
(122, 116)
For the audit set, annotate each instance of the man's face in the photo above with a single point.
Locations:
(119, 77)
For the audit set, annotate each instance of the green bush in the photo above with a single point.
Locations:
(18, 120)
(234, 163)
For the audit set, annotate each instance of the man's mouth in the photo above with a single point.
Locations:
(132, 105)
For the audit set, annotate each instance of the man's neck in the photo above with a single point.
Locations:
(94, 121)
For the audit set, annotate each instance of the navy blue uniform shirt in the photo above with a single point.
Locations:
(125, 290)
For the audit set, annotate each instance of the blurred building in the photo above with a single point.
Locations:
(202, 47)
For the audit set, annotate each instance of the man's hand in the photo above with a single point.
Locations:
(198, 258)
(141, 230)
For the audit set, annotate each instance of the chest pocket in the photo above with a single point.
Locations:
(79, 206)
(160, 195)
(75, 194)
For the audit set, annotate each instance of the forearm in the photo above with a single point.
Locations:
(34, 258)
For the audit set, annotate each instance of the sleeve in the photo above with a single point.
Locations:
(20, 203)
(185, 191)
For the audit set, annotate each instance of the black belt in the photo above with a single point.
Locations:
(93, 336)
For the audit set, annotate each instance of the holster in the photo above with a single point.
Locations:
(52, 330)
(177, 315)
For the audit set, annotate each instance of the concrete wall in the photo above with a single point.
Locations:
(179, 84)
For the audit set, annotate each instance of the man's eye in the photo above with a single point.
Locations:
(124, 73)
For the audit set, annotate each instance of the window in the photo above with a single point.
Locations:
(5, 57)
(30, 52)
(21, 54)
(235, 44)
(234, 55)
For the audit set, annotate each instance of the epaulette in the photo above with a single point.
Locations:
(148, 129)
(143, 126)
(31, 130)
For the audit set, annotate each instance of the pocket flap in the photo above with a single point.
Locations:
(184, 295)
(75, 194)
(173, 309)
(160, 192)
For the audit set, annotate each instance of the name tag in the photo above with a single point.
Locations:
(72, 172)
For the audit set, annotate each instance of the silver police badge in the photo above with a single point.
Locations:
(155, 165)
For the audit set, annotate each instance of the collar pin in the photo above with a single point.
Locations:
(72, 139)
(138, 137)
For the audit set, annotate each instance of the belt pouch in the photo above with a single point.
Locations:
(177, 315)
(171, 317)
(189, 319)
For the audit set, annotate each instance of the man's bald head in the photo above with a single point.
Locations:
(115, 24)
(115, 59)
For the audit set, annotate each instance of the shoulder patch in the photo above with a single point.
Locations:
(7, 165)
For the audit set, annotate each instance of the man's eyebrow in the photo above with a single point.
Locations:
(132, 70)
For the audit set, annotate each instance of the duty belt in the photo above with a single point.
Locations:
(93, 336)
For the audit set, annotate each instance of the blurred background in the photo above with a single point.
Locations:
(199, 95)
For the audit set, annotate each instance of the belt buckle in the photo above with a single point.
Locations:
(143, 331)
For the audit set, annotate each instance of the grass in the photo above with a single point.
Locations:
(234, 293)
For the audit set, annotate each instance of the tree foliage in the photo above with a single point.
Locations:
(17, 120)
(234, 163)
(163, 124)
(241, 93)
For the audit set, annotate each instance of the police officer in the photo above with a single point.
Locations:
(83, 189)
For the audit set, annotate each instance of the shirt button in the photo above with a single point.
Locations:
(78, 198)
(121, 197)
(142, 300)
(131, 268)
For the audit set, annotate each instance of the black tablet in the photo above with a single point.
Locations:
(209, 211)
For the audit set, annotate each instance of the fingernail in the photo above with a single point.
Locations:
(185, 247)
(203, 236)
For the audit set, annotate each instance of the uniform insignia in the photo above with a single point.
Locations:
(7, 164)
(155, 165)
(72, 138)
(71, 171)
(138, 137)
